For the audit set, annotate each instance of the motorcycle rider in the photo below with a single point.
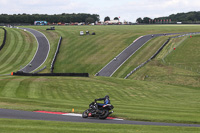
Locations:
(106, 100)
(98, 109)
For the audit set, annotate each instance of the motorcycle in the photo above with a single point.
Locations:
(95, 110)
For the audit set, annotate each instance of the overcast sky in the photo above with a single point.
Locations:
(128, 10)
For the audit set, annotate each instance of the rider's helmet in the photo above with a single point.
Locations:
(106, 96)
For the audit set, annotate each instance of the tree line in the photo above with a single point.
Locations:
(67, 18)
(189, 17)
(108, 18)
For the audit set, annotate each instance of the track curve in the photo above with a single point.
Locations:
(120, 59)
(41, 53)
(17, 114)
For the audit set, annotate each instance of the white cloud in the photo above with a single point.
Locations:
(128, 10)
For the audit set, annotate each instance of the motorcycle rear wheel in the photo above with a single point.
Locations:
(85, 114)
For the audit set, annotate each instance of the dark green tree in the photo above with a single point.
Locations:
(27, 18)
(139, 20)
(89, 20)
(146, 20)
(116, 18)
(107, 19)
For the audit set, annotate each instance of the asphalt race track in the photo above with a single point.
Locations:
(41, 53)
(16, 114)
(119, 60)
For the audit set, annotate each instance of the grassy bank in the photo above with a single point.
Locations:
(141, 56)
(18, 51)
(1, 35)
(178, 67)
(91, 53)
(134, 100)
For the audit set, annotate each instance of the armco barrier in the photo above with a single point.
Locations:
(4, 39)
(55, 56)
(51, 74)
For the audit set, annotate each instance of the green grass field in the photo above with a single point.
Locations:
(24, 126)
(1, 35)
(160, 91)
(18, 51)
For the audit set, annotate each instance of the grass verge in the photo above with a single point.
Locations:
(24, 126)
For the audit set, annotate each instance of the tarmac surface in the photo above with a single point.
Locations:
(41, 53)
(17, 114)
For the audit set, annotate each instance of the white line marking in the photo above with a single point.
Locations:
(117, 119)
(72, 114)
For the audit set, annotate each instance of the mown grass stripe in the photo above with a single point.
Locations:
(10, 88)
(1, 36)
(29, 50)
(9, 47)
(15, 55)
(24, 51)
(23, 88)
(2, 85)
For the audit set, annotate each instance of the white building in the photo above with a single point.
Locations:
(112, 22)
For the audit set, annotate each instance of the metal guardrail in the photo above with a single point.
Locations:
(40, 70)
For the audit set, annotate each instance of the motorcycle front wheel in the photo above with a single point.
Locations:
(104, 114)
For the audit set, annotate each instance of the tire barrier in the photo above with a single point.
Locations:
(4, 39)
(55, 56)
(138, 67)
(20, 73)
